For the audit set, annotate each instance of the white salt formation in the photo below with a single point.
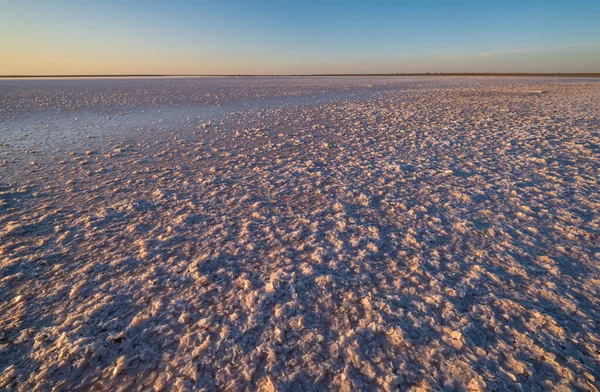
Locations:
(344, 233)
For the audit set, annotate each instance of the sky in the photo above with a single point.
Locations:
(68, 37)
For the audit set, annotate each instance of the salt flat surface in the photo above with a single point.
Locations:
(300, 234)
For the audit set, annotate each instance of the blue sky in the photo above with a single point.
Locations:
(216, 37)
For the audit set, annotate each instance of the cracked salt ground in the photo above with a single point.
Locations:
(433, 233)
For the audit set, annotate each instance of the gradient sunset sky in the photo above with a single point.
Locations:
(49, 37)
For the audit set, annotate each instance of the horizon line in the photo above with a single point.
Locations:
(507, 74)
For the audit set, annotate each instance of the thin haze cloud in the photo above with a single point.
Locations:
(528, 50)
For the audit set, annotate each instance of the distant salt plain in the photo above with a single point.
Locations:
(354, 233)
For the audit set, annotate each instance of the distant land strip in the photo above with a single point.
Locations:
(578, 75)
